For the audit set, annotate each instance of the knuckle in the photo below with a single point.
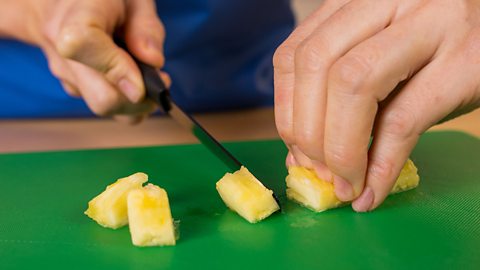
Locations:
(285, 133)
(351, 72)
(309, 143)
(381, 170)
(83, 25)
(400, 123)
(57, 70)
(310, 56)
(340, 157)
(71, 39)
(283, 58)
(115, 66)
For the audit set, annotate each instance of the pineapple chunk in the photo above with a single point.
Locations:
(149, 217)
(109, 209)
(408, 178)
(304, 187)
(247, 196)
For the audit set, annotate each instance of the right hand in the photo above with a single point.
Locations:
(359, 81)
(76, 37)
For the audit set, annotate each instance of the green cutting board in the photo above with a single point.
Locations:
(43, 196)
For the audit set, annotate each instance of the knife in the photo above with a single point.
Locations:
(157, 91)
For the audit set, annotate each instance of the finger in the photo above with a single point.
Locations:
(71, 89)
(290, 160)
(426, 99)
(144, 33)
(86, 37)
(60, 69)
(313, 59)
(283, 62)
(101, 97)
(300, 157)
(165, 78)
(284, 79)
(360, 79)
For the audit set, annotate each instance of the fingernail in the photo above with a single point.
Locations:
(365, 201)
(131, 92)
(290, 160)
(343, 189)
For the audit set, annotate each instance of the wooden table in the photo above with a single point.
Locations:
(63, 134)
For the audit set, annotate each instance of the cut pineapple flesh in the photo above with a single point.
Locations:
(149, 216)
(408, 178)
(109, 209)
(247, 196)
(304, 187)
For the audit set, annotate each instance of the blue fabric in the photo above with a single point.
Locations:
(218, 54)
(27, 88)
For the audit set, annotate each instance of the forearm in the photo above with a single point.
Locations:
(20, 19)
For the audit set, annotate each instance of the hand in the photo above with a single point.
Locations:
(77, 38)
(387, 68)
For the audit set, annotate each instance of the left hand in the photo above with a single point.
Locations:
(77, 38)
(390, 68)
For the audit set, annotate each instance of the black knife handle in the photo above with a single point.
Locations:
(154, 86)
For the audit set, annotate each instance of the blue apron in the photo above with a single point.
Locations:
(218, 53)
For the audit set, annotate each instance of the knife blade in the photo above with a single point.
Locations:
(158, 92)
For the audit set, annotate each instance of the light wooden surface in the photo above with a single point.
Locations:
(63, 134)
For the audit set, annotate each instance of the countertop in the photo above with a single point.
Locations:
(65, 134)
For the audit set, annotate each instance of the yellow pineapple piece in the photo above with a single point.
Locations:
(304, 187)
(408, 178)
(109, 208)
(247, 196)
(149, 217)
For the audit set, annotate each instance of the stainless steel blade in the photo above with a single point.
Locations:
(204, 137)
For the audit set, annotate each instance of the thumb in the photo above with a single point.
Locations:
(144, 33)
